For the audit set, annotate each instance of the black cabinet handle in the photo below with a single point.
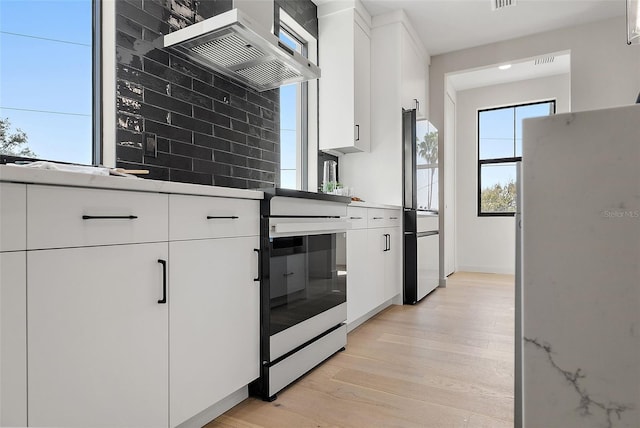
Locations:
(288, 273)
(257, 278)
(388, 242)
(229, 217)
(355, 218)
(393, 218)
(109, 217)
(417, 104)
(378, 218)
(164, 281)
(357, 132)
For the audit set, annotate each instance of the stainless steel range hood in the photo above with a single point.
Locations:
(235, 45)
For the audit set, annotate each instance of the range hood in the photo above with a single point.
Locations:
(235, 45)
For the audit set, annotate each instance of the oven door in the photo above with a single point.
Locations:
(307, 278)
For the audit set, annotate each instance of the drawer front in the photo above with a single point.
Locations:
(357, 216)
(13, 216)
(199, 217)
(380, 217)
(60, 217)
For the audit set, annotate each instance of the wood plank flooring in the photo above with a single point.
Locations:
(446, 362)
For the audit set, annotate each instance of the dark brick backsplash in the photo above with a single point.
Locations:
(209, 129)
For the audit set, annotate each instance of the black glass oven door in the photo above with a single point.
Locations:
(305, 279)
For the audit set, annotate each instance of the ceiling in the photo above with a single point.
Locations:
(450, 25)
(548, 65)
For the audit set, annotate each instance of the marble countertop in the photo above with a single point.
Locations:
(20, 174)
(374, 205)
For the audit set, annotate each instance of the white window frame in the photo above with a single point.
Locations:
(306, 154)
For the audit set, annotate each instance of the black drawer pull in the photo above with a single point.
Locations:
(257, 278)
(229, 217)
(288, 273)
(109, 217)
(164, 281)
(378, 218)
(393, 218)
(355, 218)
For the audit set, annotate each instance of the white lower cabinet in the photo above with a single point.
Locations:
(98, 337)
(13, 339)
(360, 298)
(214, 322)
(374, 261)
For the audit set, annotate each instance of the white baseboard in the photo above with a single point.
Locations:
(488, 269)
(209, 414)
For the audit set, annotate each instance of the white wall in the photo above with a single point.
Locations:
(605, 71)
(487, 244)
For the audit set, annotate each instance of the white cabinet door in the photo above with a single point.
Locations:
(393, 263)
(97, 337)
(362, 87)
(13, 339)
(214, 322)
(414, 76)
(359, 293)
(376, 245)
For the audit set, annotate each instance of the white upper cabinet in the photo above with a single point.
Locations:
(414, 75)
(345, 85)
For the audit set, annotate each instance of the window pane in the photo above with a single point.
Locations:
(289, 132)
(524, 112)
(498, 187)
(427, 188)
(426, 166)
(288, 178)
(496, 133)
(46, 77)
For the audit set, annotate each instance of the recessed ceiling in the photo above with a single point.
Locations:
(531, 68)
(450, 25)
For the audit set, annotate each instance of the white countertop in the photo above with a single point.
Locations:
(374, 205)
(20, 174)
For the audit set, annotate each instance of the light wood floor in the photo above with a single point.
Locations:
(446, 362)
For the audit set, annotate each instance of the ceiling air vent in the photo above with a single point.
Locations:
(501, 4)
(544, 60)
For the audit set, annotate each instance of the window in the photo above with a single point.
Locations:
(295, 111)
(46, 79)
(426, 166)
(499, 148)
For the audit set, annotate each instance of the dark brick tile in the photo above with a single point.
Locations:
(255, 120)
(273, 95)
(238, 183)
(128, 138)
(191, 150)
(270, 135)
(262, 165)
(158, 55)
(126, 57)
(211, 117)
(210, 167)
(269, 114)
(166, 73)
(271, 156)
(191, 70)
(229, 158)
(168, 103)
(245, 128)
(140, 77)
(246, 151)
(125, 40)
(169, 161)
(258, 185)
(131, 123)
(191, 124)
(129, 89)
(155, 113)
(245, 106)
(190, 177)
(163, 144)
(212, 142)
(229, 87)
(261, 101)
(155, 9)
(211, 91)
(129, 27)
(141, 17)
(128, 105)
(128, 153)
(230, 111)
(191, 97)
(207, 9)
(155, 173)
(168, 131)
(228, 134)
(178, 22)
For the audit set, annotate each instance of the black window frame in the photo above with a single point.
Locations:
(513, 159)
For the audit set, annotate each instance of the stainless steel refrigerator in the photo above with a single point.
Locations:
(420, 206)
